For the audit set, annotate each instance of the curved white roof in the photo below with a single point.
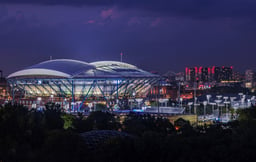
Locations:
(39, 72)
(67, 68)
(120, 68)
(113, 64)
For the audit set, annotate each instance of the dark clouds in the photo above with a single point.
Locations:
(154, 35)
(187, 8)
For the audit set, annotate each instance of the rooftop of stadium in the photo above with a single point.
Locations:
(67, 68)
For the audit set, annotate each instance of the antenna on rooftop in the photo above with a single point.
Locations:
(121, 55)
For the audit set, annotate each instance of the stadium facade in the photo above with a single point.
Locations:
(73, 82)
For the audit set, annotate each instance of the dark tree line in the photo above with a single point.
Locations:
(52, 135)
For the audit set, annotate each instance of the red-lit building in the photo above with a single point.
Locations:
(208, 74)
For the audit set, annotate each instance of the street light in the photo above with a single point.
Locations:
(248, 102)
(205, 104)
(226, 102)
(243, 101)
(218, 104)
(39, 99)
(190, 104)
(226, 106)
(51, 98)
(195, 105)
(208, 98)
(240, 94)
(219, 97)
(65, 104)
(213, 104)
(181, 99)
(139, 101)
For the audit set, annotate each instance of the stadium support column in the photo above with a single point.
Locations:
(73, 99)
(117, 91)
(87, 94)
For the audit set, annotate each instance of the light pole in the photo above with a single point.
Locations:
(65, 104)
(213, 104)
(253, 100)
(208, 98)
(190, 104)
(52, 98)
(243, 101)
(218, 105)
(226, 102)
(240, 94)
(219, 97)
(94, 106)
(205, 104)
(90, 107)
(248, 102)
(133, 95)
(195, 105)
(195, 98)
(232, 99)
(139, 101)
(226, 106)
(39, 99)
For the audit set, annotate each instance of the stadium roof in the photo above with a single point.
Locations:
(67, 68)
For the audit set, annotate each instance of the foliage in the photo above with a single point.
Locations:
(247, 114)
(51, 135)
(52, 117)
(81, 124)
(63, 146)
(153, 104)
(103, 121)
(68, 120)
(138, 124)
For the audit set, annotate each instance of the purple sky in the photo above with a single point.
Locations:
(159, 35)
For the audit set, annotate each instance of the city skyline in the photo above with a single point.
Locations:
(153, 35)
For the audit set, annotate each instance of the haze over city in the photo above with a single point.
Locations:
(154, 35)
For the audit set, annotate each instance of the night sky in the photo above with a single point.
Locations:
(155, 35)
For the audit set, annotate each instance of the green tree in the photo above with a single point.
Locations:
(68, 121)
(103, 120)
(52, 117)
(64, 146)
(137, 124)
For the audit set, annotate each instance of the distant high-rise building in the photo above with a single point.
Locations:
(191, 74)
(206, 74)
(249, 78)
(249, 75)
(237, 76)
(227, 73)
(216, 73)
